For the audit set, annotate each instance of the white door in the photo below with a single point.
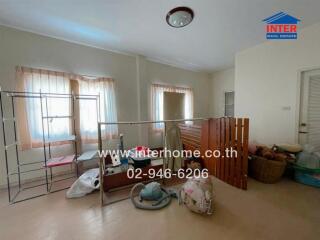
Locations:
(309, 128)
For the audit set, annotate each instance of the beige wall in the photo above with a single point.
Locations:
(267, 85)
(199, 82)
(221, 82)
(163, 74)
(133, 76)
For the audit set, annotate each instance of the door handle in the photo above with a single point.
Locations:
(303, 132)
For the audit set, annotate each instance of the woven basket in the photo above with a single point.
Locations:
(265, 170)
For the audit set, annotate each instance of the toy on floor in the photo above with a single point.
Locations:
(152, 196)
(197, 195)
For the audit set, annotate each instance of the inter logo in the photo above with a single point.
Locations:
(281, 26)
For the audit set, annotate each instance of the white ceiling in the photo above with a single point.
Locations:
(220, 27)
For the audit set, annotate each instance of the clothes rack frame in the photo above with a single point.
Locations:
(46, 168)
(102, 164)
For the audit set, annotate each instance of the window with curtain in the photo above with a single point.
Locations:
(157, 102)
(104, 87)
(29, 110)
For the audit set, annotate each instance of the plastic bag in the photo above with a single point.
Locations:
(308, 148)
(308, 159)
(85, 184)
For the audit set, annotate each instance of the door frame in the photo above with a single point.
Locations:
(300, 74)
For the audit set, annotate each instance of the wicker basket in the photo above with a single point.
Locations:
(265, 170)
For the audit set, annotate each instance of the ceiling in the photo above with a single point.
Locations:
(219, 30)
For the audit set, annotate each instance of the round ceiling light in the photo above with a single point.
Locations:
(180, 17)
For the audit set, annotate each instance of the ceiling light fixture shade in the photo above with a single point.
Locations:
(180, 17)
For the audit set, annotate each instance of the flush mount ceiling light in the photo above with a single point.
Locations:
(180, 17)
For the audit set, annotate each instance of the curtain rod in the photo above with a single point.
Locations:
(165, 85)
(25, 93)
(163, 121)
(89, 77)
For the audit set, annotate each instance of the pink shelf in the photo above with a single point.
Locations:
(60, 161)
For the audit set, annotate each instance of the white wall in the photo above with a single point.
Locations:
(133, 76)
(267, 83)
(221, 82)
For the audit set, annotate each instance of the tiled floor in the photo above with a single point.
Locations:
(285, 210)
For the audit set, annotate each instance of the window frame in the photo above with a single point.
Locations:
(228, 105)
(189, 107)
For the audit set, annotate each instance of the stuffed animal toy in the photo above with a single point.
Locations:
(265, 152)
(252, 148)
(280, 157)
(271, 154)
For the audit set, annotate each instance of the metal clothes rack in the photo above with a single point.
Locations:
(47, 141)
(102, 165)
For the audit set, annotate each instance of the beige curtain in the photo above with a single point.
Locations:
(29, 109)
(22, 118)
(105, 89)
(157, 91)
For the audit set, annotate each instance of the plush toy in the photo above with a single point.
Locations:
(265, 152)
(280, 157)
(197, 195)
(252, 149)
(271, 153)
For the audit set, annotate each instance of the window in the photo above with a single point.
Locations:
(229, 104)
(30, 115)
(88, 118)
(47, 82)
(157, 102)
